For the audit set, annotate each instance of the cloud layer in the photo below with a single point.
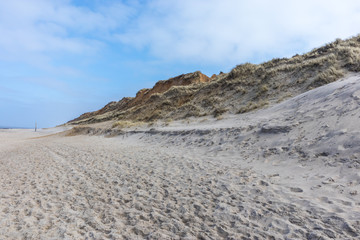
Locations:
(217, 31)
(210, 31)
(39, 28)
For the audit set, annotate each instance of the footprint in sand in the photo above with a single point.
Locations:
(296, 190)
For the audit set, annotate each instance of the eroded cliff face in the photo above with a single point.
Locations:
(145, 94)
(162, 86)
(245, 88)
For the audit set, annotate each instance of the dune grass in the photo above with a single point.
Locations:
(245, 88)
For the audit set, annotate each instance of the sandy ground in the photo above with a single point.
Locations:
(288, 172)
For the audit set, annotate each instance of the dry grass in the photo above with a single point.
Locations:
(219, 111)
(126, 124)
(329, 75)
(253, 106)
(245, 88)
(284, 98)
(263, 88)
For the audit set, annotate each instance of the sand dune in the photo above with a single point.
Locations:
(287, 172)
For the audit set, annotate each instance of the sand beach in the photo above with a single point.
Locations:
(287, 172)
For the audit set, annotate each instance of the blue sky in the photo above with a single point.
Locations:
(61, 58)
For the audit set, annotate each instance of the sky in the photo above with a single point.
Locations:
(61, 58)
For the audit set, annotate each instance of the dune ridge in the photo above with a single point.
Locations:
(245, 88)
(268, 151)
(290, 171)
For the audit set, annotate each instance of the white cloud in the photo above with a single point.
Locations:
(34, 29)
(192, 31)
(218, 31)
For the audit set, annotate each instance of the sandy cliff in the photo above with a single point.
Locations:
(290, 171)
(245, 88)
(280, 160)
(143, 97)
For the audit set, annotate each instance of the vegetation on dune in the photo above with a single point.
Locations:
(126, 124)
(245, 88)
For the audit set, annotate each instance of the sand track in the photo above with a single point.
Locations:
(95, 188)
(287, 172)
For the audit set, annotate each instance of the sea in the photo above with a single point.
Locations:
(13, 127)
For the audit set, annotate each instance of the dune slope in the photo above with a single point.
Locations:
(289, 171)
(245, 88)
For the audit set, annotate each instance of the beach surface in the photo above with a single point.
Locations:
(287, 172)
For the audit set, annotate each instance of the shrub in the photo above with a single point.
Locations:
(243, 70)
(329, 75)
(219, 111)
(252, 106)
(155, 115)
(241, 90)
(189, 110)
(263, 88)
(155, 97)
